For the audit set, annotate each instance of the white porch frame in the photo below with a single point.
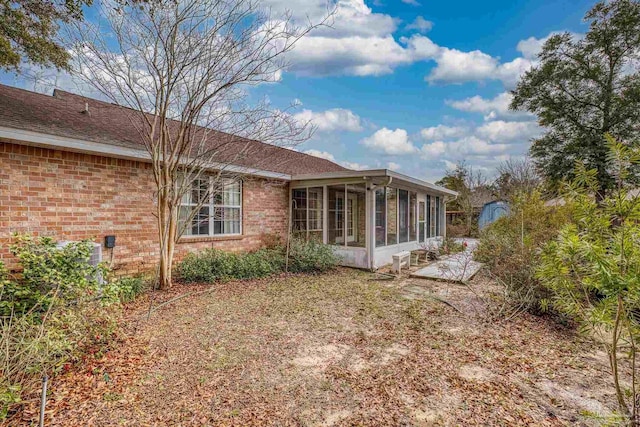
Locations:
(370, 256)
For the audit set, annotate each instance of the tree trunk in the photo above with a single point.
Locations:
(167, 230)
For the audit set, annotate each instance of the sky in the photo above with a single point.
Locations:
(415, 85)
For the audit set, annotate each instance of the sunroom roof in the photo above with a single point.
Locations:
(375, 173)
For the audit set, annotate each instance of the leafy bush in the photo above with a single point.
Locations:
(310, 256)
(593, 269)
(128, 288)
(48, 271)
(451, 246)
(52, 312)
(211, 265)
(511, 248)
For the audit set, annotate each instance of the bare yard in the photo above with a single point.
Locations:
(336, 349)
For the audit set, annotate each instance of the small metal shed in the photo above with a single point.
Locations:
(492, 211)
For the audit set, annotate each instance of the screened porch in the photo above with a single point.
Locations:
(367, 216)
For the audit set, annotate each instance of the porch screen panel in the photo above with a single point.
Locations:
(403, 216)
(336, 217)
(413, 206)
(314, 213)
(432, 216)
(356, 216)
(381, 217)
(392, 216)
(421, 221)
(299, 207)
(438, 211)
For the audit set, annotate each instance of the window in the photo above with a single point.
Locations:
(335, 219)
(219, 213)
(431, 211)
(392, 216)
(299, 208)
(403, 216)
(421, 220)
(314, 216)
(381, 217)
(307, 213)
(413, 202)
(438, 230)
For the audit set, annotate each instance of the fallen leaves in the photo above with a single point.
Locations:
(334, 349)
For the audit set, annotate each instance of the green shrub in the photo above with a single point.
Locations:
(310, 256)
(128, 288)
(593, 269)
(52, 312)
(451, 246)
(48, 271)
(211, 265)
(511, 248)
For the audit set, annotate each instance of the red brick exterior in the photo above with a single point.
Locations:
(73, 196)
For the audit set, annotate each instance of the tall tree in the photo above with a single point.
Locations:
(474, 190)
(28, 30)
(583, 88)
(184, 70)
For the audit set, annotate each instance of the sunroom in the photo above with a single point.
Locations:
(368, 216)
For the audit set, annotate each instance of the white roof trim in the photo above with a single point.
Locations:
(109, 150)
(374, 173)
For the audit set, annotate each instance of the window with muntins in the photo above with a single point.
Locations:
(218, 213)
(421, 221)
(438, 225)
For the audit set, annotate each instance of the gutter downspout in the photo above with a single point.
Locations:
(372, 232)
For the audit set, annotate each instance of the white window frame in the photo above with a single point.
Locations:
(212, 208)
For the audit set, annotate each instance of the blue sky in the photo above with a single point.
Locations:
(408, 121)
(414, 85)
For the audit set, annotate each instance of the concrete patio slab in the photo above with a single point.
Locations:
(458, 267)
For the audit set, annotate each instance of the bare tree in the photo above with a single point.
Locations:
(516, 176)
(473, 188)
(184, 70)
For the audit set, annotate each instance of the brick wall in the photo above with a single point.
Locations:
(73, 196)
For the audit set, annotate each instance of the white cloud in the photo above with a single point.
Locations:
(433, 149)
(336, 119)
(420, 24)
(354, 166)
(357, 55)
(411, 2)
(393, 166)
(328, 156)
(501, 131)
(463, 148)
(486, 145)
(392, 142)
(356, 41)
(530, 48)
(491, 108)
(455, 66)
(322, 154)
(442, 132)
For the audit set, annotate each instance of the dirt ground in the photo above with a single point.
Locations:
(338, 349)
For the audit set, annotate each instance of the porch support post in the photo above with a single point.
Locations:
(325, 215)
(370, 243)
(443, 221)
(345, 221)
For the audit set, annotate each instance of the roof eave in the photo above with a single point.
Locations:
(39, 139)
(372, 173)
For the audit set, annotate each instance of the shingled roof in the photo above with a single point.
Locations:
(62, 115)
